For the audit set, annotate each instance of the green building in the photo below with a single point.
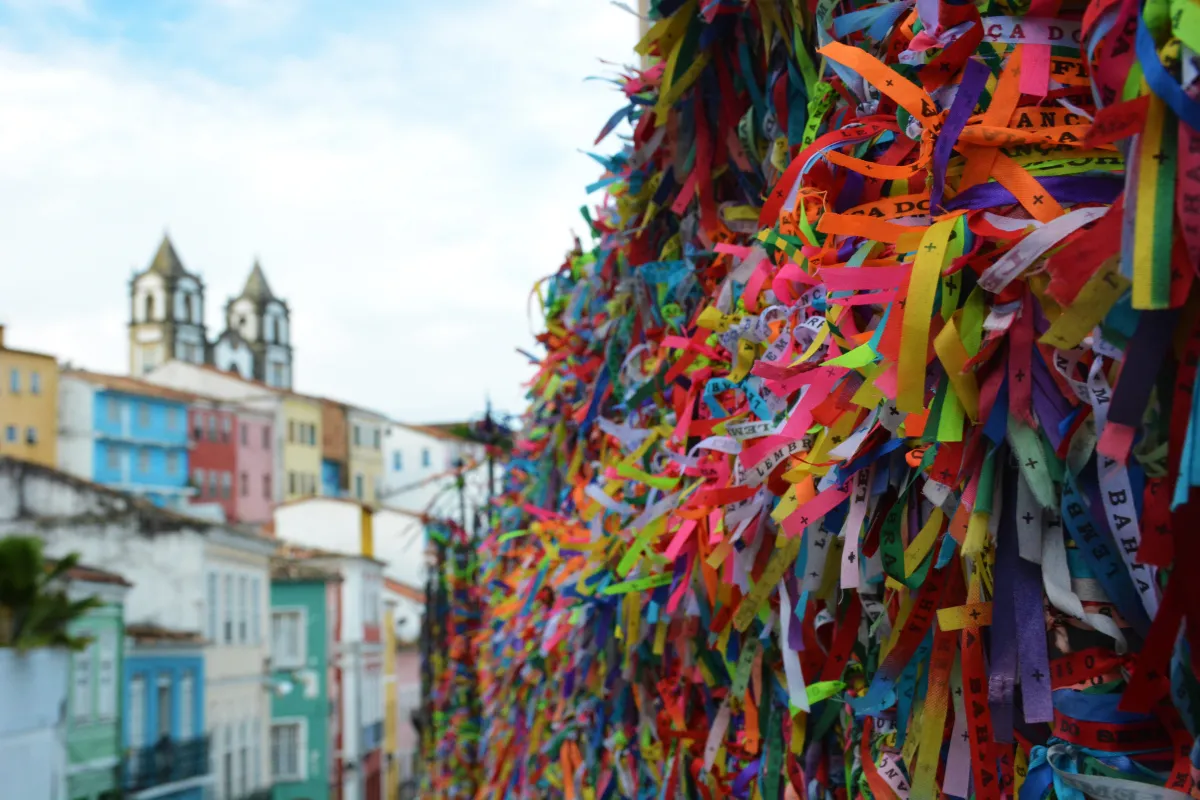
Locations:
(304, 609)
(94, 693)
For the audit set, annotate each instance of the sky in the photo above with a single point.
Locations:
(405, 171)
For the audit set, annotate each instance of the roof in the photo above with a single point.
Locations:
(166, 261)
(298, 551)
(81, 572)
(256, 287)
(295, 569)
(151, 632)
(404, 590)
(156, 518)
(127, 385)
(443, 430)
(352, 502)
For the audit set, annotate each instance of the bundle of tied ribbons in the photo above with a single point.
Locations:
(859, 458)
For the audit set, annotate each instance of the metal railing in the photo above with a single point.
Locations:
(165, 762)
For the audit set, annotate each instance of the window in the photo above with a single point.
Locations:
(187, 699)
(35, 383)
(226, 485)
(228, 609)
(10, 433)
(225, 429)
(255, 599)
(397, 462)
(173, 463)
(426, 458)
(245, 435)
(111, 409)
(243, 608)
(143, 414)
(212, 427)
(291, 483)
(228, 770)
(164, 707)
(244, 482)
(291, 430)
(199, 478)
(266, 432)
(267, 487)
(277, 375)
(269, 332)
(136, 721)
(213, 478)
(312, 434)
(173, 417)
(378, 440)
(357, 436)
(212, 607)
(243, 758)
(106, 702)
(358, 486)
(256, 744)
(149, 307)
(287, 747)
(287, 639)
(143, 460)
(81, 694)
(14, 381)
(112, 457)
(31, 435)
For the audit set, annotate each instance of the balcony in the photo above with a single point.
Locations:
(165, 762)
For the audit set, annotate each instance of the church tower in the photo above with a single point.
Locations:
(257, 338)
(166, 314)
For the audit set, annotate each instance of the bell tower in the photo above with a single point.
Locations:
(166, 313)
(257, 337)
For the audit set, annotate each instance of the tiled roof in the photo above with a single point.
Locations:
(404, 590)
(285, 568)
(80, 572)
(127, 385)
(150, 632)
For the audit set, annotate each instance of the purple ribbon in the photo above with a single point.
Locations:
(1002, 677)
(1066, 189)
(1146, 351)
(1036, 700)
(974, 78)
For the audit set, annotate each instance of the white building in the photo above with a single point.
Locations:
(420, 466)
(187, 575)
(343, 525)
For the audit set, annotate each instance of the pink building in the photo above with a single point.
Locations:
(255, 466)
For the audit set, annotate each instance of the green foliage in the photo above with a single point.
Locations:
(34, 608)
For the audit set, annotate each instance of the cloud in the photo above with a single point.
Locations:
(405, 177)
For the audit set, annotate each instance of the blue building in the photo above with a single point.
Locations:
(166, 748)
(125, 433)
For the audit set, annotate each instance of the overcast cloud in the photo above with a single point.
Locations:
(405, 171)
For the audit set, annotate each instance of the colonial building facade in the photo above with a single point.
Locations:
(166, 323)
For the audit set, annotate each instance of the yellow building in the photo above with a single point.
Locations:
(28, 405)
(300, 474)
(365, 430)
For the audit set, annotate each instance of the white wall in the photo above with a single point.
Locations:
(400, 541)
(321, 522)
(33, 694)
(247, 327)
(228, 354)
(76, 443)
(105, 529)
(149, 285)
